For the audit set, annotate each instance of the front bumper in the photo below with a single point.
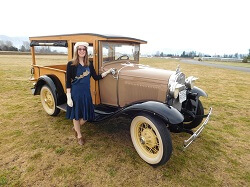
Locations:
(33, 91)
(197, 133)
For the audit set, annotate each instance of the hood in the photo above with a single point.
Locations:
(137, 82)
(142, 71)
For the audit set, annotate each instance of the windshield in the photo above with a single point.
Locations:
(119, 51)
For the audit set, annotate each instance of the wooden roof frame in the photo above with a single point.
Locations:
(87, 37)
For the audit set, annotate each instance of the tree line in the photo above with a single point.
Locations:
(192, 54)
(8, 46)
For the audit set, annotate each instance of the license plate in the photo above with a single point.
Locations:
(182, 96)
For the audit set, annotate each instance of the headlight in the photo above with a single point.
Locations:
(174, 89)
(189, 82)
(176, 83)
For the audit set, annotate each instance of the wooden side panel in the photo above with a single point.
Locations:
(33, 55)
(70, 54)
(94, 85)
(61, 74)
(59, 67)
(36, 72)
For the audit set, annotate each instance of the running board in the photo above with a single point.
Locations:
(63, 107)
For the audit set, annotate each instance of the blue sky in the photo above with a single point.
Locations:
(208, 26)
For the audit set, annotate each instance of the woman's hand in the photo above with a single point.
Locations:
(69, 100)
(104, 74)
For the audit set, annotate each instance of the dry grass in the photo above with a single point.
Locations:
(237, 64)
(39, 150)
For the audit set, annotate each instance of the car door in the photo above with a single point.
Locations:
(108, 85)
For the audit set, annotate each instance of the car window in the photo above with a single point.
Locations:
(48, 55)
(90, 51)
(112, 51)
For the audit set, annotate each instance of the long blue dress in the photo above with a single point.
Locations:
(81, 96)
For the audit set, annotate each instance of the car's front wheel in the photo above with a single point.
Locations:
(151, 139)
(49, 101)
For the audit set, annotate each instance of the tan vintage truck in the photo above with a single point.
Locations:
(156, 100)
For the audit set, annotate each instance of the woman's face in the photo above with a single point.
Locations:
(81, 51)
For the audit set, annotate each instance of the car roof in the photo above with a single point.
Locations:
(88, 37)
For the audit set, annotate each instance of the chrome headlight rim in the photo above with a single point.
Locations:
(175, 89)
(176, 84)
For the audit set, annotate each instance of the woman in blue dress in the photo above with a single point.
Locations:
(79, 101)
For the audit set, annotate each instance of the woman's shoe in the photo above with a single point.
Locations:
(81, 141)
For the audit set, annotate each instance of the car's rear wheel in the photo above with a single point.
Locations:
(196, 121)
(48, 101)
(151, 139)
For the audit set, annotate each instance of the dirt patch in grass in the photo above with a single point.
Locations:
(39, 150)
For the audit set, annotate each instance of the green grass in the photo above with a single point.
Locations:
(40, 150)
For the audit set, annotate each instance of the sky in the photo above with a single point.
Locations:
(206, 26)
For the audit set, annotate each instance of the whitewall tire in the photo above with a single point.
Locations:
(151, 139)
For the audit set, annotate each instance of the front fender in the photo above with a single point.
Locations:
(199, 92)
(167, 113)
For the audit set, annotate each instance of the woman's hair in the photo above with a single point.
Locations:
(75, 60)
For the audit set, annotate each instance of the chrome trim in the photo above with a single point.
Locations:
(197, 133)
(178, 69)
(117, 85)
(176, 83)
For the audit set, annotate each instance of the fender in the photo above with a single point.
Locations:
(55, 86)
(42, 81)
(199, 92)
(167, 113)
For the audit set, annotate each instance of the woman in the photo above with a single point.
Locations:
(79, 102)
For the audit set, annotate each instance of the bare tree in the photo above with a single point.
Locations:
(26, 45)
(8, 43)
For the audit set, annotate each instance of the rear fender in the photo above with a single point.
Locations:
(55, 86)
(42, 81)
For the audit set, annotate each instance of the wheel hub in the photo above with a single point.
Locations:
(148, 138)
(48, 100)
(142, 140)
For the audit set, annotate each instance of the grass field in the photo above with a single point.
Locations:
(39, 150)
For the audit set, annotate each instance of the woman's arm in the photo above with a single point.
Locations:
(93, 72)
(68, 75)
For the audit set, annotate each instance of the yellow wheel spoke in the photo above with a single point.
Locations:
(147, 138)
(47, 100)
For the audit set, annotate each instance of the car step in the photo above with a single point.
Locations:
(64, 108)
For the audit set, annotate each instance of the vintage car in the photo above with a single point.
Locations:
(156, 100)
